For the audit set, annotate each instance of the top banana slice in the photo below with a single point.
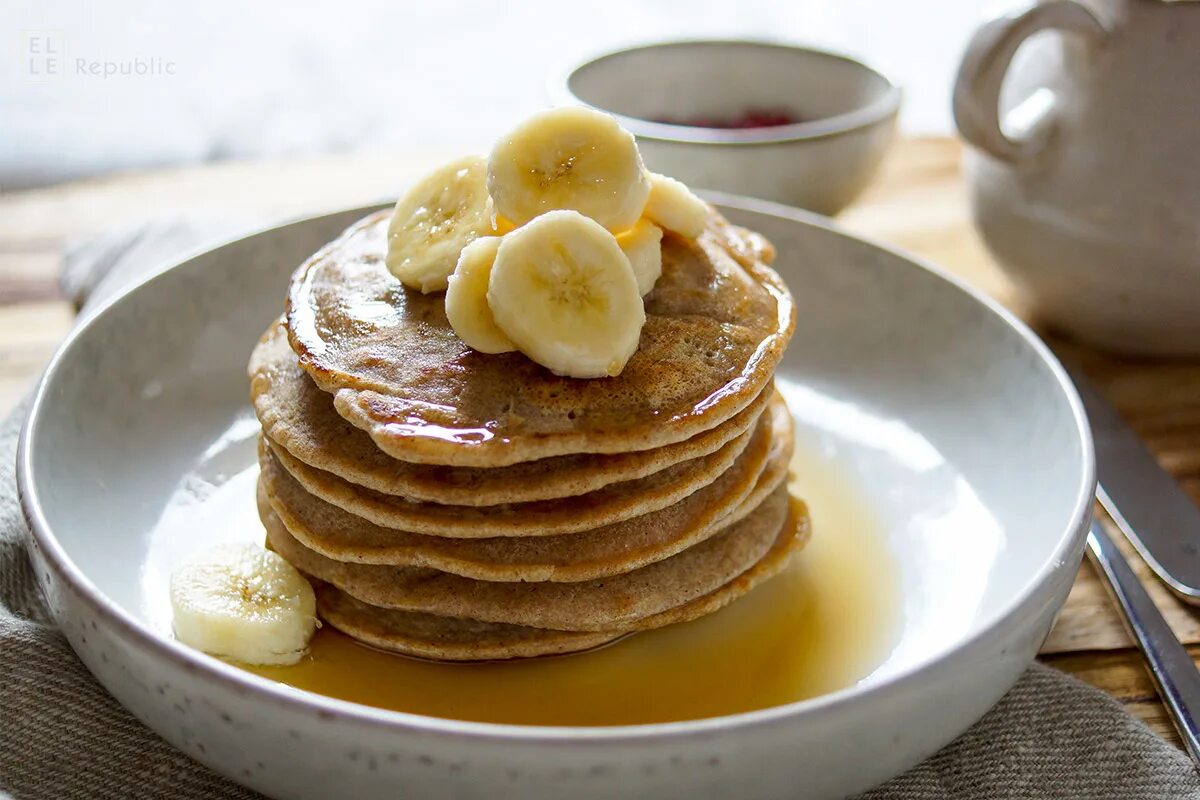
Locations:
(564, 292)
(642, 245)
(466, 299)
(673, 206)
(569, 158)
(435, 220)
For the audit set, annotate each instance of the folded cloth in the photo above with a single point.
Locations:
(63, 738)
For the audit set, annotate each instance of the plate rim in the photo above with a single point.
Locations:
(227, 677)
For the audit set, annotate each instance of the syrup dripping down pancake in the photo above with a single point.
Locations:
(300, 418)
(717, 323)
(451, 639)
(608, 550)
(611, 603)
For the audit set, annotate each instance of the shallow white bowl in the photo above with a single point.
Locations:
(956, 419)
(820, 164)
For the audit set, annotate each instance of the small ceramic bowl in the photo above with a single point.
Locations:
(958, 424)
(846, 111)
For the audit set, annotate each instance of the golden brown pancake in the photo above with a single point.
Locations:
(446, 638)
(451, 639)
(613, 503)
(792, 537)
(610, 603)
(609, 550)
(716, 326)
(299, 417)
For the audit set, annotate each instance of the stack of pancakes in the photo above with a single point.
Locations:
(460, 506)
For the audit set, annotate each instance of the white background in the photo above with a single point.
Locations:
(256, 79)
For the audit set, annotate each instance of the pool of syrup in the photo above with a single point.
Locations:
(825, 623)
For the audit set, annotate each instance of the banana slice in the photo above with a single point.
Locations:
(642, 245)
(569, 158)
(244, 603)
(565, 294)
(673, 206)
(436, 219)
(466, 299)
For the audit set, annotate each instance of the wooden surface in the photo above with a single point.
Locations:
(919, 204)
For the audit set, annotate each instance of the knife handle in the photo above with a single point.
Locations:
(1171, 666)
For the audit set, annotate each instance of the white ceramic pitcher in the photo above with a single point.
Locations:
(1089, 190)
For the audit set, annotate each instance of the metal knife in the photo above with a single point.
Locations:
(1149, 507)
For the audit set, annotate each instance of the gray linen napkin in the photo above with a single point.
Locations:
(63, 738)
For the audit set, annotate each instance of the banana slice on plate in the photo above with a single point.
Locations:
(244, 603)
(642, 245)
(563, 291)
(569, 158)
(466, 299)
(436, 219)
(673, 206)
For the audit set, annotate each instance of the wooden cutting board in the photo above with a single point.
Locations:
(919, 204)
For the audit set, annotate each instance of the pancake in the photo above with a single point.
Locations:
(610, 603)
(300, 418)
(610, 550)
(614, 503)
(445, 638)
(792, 536)
(716, 326)
(450, 639)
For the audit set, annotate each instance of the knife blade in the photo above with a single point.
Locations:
(1149, 507)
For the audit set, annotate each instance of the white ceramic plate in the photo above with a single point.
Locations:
(952, 416)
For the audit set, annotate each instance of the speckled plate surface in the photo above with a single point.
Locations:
(956, 420)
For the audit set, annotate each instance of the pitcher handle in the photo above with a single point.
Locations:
(986, 62)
